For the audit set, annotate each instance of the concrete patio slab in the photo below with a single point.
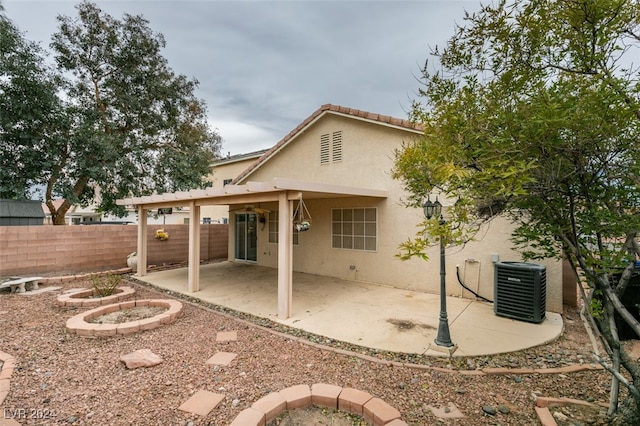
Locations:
(365, 314)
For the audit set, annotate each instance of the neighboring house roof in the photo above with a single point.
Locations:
(229, 159)
(329, 109)
(21, 209)
(56, 204)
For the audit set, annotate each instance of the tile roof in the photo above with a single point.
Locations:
(336, 109)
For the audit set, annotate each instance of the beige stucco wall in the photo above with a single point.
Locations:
(219, 173)
(367, 160)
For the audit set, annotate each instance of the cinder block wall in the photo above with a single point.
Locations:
(31, 250)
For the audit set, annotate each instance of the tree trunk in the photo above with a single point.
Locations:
(628, 413)
(58, 215)
(621, 413)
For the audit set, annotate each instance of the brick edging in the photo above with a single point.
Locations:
(8, 365)
(352, 399)
(249, 415)
(374, 410)
(69, 278)
(544, 414)
(83, 298)
(80, 326)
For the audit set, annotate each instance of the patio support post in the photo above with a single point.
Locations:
(194, 248)
(285, 255)
(141, 251)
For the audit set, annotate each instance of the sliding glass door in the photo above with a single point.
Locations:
(246, 237)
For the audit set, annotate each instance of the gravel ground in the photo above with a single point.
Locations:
(79, 381)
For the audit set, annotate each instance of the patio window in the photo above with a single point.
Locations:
(273, 229)
(331, 147)
(354, 228)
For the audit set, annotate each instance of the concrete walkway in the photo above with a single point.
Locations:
(365, 314)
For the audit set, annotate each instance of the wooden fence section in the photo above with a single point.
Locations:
(41, 250)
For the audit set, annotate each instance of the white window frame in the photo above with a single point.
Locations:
(354, 228)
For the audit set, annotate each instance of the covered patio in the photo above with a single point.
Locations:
(281, 190)
(364, 314)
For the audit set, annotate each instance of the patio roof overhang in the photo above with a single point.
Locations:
(284, 191)
(251, 192)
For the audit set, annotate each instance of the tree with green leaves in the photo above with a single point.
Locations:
(29, 111)
(533, 112)
(129, 124)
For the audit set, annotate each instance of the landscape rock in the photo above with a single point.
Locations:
(560, 416)
(489, 410)
(141, 358)
(504, 409)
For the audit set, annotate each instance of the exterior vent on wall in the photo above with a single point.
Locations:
(520, 291)
(324, 149)
(331, 147)
(336, 151)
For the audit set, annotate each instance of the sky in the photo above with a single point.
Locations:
(264, 65)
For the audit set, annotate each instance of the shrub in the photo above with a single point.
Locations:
(105, 285)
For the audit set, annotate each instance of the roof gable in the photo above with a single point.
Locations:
(379, 119)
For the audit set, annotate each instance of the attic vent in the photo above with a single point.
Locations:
(331, 147)
(336, 147)
(324, 149)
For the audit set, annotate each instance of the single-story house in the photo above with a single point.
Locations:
(88, 215)
(333, 171)
(76, 215)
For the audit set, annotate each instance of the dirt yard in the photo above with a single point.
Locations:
(65, 379)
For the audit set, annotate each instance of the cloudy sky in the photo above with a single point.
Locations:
(265, 65)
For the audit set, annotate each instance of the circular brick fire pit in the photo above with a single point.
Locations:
(81, 326)
(85, 297)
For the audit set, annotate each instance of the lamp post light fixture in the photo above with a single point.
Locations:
(434, 209)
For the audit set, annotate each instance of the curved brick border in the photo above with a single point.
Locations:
(253, 416)
(8, 364)
(69, 278)
(374, 410)
(295, 396)
(83, 297)
(79, 324)
(247, 416)
(544, 414)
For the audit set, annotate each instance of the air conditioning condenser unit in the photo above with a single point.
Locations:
(520, 291)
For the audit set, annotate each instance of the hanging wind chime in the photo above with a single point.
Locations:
(301, 222)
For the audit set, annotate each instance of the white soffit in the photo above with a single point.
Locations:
(321, 189)
(259, 190)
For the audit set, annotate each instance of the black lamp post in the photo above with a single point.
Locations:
(434, 209)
